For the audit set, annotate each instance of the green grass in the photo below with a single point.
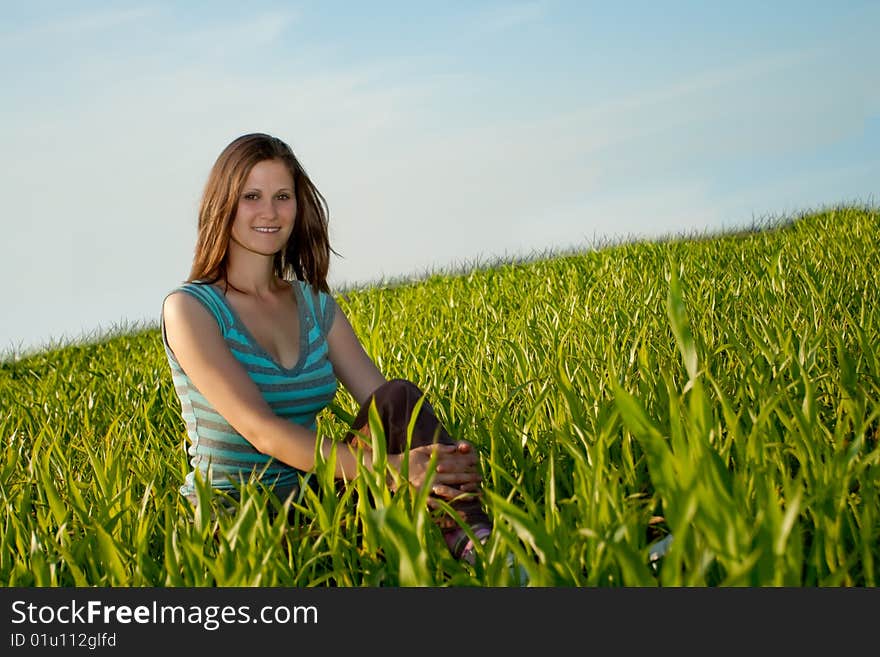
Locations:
(723, 388)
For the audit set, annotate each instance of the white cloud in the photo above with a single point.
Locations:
(76, 26)
(233, 39)
(509, 16)
(106, 187)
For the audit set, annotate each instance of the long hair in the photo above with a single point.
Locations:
(305, 257)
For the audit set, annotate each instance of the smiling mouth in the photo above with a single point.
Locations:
(261, 229)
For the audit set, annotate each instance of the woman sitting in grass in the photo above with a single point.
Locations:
(256, 345)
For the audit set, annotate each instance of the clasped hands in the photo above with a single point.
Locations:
(456, 474)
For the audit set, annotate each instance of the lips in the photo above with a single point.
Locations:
(267, 229)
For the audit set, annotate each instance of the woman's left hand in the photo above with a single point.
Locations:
(456, 473)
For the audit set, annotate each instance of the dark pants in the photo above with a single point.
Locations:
(395, 402)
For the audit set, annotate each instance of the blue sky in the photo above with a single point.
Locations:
(440, 133)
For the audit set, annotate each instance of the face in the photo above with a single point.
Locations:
(266, 210)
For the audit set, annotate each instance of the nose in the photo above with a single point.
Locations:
(267, 209)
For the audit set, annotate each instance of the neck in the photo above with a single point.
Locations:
(249, 288)
(251, 274)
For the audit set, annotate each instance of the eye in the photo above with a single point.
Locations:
(284, 196)
(251, 196)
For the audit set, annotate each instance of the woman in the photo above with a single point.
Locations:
(256, 345)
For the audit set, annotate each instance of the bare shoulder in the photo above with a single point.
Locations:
(188, 324)
(191, 306)
(201, 351)
(181, 306)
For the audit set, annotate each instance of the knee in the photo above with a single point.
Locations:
(398, 390)
(402, 384)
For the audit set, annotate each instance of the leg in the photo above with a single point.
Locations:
(395, 402)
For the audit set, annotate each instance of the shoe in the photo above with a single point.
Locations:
(657, 550)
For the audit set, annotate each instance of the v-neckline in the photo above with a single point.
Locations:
(259, 348)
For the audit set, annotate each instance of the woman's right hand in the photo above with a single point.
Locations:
(456, 474)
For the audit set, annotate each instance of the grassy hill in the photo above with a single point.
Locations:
(722, 388)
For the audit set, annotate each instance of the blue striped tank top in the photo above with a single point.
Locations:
(222, 455)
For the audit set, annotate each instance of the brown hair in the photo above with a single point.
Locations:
(306, 256)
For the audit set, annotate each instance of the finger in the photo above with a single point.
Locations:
(457, 477)
(469, 458)
(458, 466)
(458, 458)
(467, 474)
(448, 492)
(429, 450)
(460, 447)
(465, 495)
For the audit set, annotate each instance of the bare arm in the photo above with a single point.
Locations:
(456, 464)
(353, 366)
(198, 345)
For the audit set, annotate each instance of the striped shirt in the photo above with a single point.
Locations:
(221, 454)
